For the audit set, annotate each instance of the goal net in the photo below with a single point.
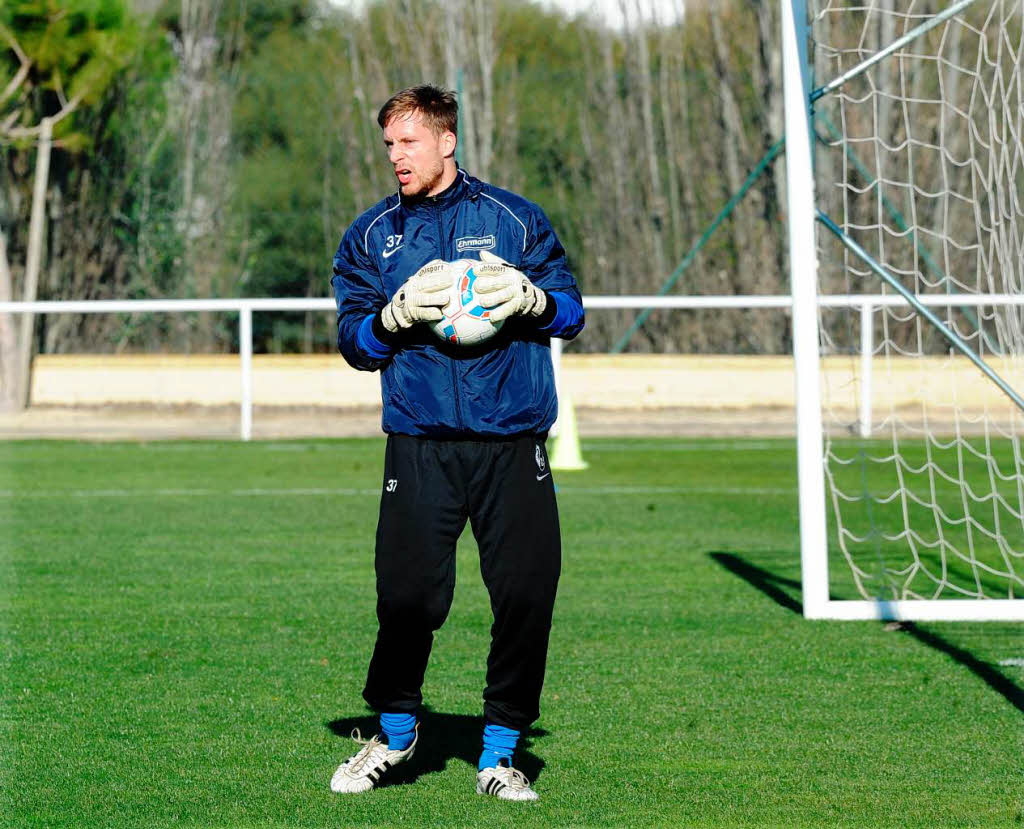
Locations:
(919, 161)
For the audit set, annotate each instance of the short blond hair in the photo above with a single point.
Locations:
(438, 107)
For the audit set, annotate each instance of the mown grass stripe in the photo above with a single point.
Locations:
(317, 491)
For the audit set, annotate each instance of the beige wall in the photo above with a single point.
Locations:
(594, 381)
(292, 380)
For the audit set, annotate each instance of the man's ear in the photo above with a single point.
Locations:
(448, 142)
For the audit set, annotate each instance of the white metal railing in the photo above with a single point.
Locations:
(865, 303)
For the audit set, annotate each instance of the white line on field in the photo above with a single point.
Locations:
(683, 446)
(132, 493)
(673, 490)
(1016, 662)
(308, 491)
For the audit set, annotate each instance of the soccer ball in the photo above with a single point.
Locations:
(465, 322)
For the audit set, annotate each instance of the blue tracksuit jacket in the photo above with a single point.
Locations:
(502, 387)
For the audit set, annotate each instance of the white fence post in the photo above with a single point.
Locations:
(867, 350)
(245, 351)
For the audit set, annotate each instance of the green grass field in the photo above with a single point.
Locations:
(185, 629)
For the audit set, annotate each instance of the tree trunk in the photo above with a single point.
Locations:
(203, 130)
(458, 80)
(732, 147)
(33, 262)
(486, 50)
(656, 204)
(8, 340)
(668, 70)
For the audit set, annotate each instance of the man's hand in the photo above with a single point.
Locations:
(506, 291)
(420, 299)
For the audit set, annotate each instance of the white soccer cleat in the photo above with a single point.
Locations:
(367, 767)
(504, 783)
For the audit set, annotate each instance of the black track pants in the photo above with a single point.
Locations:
(431, 487)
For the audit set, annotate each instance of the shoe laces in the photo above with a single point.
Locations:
(369, 751)
(514, 778)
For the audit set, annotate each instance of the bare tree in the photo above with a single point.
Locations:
(734, 143)
(470, 54)
(17, 125)
(204, 103)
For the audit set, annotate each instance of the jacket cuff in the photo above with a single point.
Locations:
(369, 344)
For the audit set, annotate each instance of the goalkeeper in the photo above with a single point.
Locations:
(466, 431)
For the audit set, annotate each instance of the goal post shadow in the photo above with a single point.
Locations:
(785, 592)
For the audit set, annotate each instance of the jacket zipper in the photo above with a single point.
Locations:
(455, 375)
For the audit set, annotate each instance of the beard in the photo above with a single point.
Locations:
(423, 182)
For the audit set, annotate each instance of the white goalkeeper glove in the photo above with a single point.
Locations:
(505, 290)
(420, 299)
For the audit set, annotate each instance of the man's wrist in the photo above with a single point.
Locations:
(380, 331)
(547, 316)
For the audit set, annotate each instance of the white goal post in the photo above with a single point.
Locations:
(911, 156)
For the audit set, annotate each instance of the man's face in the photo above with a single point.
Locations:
(417, 155)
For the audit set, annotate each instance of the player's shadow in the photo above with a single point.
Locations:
(775, 588)
(442, 737)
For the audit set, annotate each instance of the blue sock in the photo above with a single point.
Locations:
(499, 743)
(400, 730)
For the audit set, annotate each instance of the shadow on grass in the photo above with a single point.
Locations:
(772, 586)
(768, 583)
(995, 680)
(442, 737)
